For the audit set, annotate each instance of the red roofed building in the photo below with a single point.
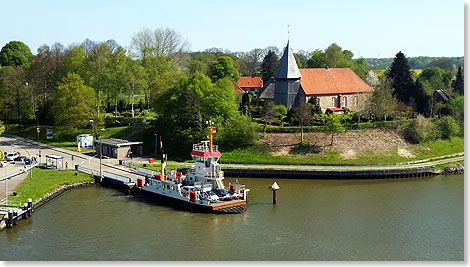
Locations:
(332, 88)
(249, 83)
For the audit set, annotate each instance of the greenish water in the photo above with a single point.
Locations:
(314, 220)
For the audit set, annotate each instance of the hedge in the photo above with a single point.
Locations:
(348, 126)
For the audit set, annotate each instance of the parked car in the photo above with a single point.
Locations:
(212, 196)
(3, 163)
(23, 160)
(12, 156)
(222, 193)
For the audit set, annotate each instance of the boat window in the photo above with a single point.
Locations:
(173, 187)
(208, 163)
(167, 186)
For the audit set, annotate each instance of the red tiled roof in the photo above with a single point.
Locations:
(237, 88)
(332, 81)
(248, 81)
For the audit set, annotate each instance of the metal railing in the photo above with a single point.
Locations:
(204, 147)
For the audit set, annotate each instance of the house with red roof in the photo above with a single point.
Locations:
(250, 83)
(333, 89)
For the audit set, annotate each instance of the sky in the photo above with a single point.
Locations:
(369, 28)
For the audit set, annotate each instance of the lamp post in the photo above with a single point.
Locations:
(101, 153)
(156, 141)
(6, 185)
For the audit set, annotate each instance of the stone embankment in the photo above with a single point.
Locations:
(59, 190)
(453, 169)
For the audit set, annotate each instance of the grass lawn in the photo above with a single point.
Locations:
(423, 151)
(44, 181)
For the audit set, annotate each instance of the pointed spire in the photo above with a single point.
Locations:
(287, 68)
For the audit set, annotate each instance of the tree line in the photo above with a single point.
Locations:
(77, 86)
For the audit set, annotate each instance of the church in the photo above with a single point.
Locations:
(333, 89)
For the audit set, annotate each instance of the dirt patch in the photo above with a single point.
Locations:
(402, 152)
(349, 144)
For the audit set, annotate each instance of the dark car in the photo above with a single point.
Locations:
(22, 160)
(222, 193)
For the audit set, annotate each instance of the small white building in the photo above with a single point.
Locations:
(85, 140)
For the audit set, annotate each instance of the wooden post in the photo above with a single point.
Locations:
(274, 188)
(274, 196)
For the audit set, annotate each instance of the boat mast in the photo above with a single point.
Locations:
(211, 131)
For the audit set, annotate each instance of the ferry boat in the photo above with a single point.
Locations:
(201, 187)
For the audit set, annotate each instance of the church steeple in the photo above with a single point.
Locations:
(287, 68)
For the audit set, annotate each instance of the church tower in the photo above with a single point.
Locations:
(287, 80)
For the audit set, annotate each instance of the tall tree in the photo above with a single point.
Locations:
(74, 103)
(223, 68)
(371, 79)
(269, 113)
(459, 82)
(303, 114)
(382, 102)
(400, 74)
(269, 65)
(15, 53)
(16, 95)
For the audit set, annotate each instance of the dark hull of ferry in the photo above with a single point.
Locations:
(187, 205)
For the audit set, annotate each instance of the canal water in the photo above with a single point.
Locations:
(313, 220)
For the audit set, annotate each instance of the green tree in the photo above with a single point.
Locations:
(448, 127)
(223, 68)
(382, 101)
(269, 65)
(419, 130)
(457, 110)
(459, 82)
(303, 114)
(237, 132)
(333, 125)
(15, 53)
(16, 96)
(73, 62)
(400, 74)
(73, 104)
(269, 113)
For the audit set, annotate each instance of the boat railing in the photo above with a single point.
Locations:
(202, 147)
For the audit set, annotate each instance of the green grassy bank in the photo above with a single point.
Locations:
(44, 181)
(310, 154)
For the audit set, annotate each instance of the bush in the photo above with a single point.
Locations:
(237, 132)
(420, 130)
(448, 127)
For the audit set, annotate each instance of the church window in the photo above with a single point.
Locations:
(333, 102)
(355, 101)
(345, 101)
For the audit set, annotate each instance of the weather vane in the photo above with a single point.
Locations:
(288, 31)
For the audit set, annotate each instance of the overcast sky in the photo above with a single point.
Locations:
(369, 28)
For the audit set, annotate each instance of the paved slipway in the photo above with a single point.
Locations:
(10, 143)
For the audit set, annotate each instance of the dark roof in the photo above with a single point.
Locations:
(442, 94)
(287, 68)
(268, 90)
(114, 142)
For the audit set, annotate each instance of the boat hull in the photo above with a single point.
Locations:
(222, 207)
